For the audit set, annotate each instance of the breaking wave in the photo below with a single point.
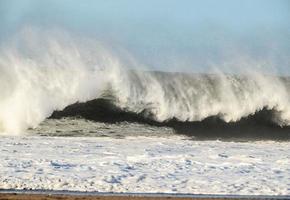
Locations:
(40, 75)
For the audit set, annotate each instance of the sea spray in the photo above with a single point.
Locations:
(45, 71)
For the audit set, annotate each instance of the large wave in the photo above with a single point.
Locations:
(41, 72)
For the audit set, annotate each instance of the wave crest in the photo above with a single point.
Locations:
(39, 75)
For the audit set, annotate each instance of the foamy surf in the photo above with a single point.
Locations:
(173, 165)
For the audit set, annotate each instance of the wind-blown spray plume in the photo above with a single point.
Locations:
(39, 74)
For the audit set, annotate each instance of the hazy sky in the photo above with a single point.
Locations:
(168, 34)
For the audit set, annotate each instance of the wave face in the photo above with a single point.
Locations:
(40, 75)
(101, 117)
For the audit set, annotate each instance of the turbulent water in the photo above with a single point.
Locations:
(41, 77)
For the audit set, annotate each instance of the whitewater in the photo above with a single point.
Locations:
(45, 71)
(145, 165)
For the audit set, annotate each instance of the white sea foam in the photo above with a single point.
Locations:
(144, 164)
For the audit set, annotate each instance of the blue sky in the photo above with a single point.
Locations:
(168, 34)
